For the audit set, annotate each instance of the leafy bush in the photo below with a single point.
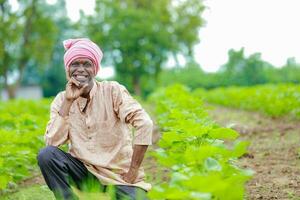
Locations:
(201, 165)
(22, 125)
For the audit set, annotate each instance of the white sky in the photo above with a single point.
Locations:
(270, 27)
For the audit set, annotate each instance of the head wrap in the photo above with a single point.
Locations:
(82, 48)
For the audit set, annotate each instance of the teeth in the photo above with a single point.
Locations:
(79, 76)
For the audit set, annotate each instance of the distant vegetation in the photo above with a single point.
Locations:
(239, 70)
(273, 100)
(137, 37)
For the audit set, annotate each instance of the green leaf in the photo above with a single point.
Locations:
(212, 164)
(240, 148)
(4, 179)
(223, 133)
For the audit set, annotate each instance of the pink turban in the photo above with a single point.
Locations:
(82, 48)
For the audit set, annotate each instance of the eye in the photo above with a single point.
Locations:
(75, 64)
(87, 64)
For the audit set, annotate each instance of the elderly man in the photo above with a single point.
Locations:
(94, 118)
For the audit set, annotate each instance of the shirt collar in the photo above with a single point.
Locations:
(81, 102)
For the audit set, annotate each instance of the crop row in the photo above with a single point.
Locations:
(22, 124)
(200, 164)
(272, 100)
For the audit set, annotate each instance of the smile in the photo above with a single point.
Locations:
(81, 78)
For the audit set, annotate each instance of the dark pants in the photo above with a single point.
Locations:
(61, 170)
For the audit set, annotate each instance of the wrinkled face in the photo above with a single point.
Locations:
(82, 69)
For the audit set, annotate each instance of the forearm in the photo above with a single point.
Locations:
(138, 156)
(65, 108)
(57, 128)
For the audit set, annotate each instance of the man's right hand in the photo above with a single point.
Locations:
(74, 89)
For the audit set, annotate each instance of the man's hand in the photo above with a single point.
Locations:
(74, 89)
(137, 158)
(130, 176)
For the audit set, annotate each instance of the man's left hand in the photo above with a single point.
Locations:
(130, 176)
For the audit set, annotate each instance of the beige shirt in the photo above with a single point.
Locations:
(101, 137)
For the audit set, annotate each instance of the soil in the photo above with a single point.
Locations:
(34, 180)
(273, 152)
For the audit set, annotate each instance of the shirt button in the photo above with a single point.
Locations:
(88, 127)
(90, 137)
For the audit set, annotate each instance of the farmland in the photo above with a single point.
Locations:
(272, 100)
(203, 150)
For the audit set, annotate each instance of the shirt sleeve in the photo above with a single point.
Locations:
(57, 130)
(130, 111)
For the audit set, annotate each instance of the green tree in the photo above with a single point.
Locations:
(240, 70)
(289, 73)
(27, 37)
(138, 36)
(54, 79)
(190, 75)
(9, 33)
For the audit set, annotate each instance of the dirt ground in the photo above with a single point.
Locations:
(273, 153)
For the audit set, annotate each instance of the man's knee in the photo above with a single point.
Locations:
(46, 155)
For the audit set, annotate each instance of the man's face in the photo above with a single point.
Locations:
(82, 69)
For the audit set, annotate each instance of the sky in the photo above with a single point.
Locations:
(270, 27)
(266, 26)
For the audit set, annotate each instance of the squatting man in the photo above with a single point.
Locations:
(93, 118)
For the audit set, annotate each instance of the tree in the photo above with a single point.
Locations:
(53, 78)
(27, 37)
(290, 72)
(9, 30)
(240, 70)
(138, 36)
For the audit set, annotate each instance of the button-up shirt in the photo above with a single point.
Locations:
(101, 136)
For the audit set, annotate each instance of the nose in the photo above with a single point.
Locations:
(80, 68)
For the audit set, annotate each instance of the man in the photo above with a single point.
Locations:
(94, 118)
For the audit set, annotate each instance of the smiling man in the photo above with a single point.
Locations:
(94, 118)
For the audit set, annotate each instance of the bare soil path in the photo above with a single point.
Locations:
(274, 152)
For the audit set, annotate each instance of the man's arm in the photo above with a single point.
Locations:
(57, 128)
(65, 107)
(130, 111)
(136, 161)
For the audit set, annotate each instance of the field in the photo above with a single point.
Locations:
(21, 128)
(202, 151)
(272, 100)
(273, 152)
